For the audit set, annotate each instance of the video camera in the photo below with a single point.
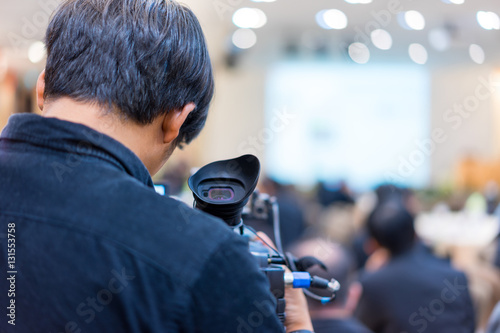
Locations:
(223, 189)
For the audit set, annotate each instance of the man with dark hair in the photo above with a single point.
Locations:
(336, 316)
(90, 246)
(391, 226)
(414, 291)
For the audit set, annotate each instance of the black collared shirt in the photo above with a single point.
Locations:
(97, 250)
(416, 292)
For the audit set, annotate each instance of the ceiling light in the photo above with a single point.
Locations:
(359, 53)
(414, 20)
(36, 52)
(381, 39)
(488, 20)
(418, 53)
(249, 18)
(244, 38)
(358, 1)
(476, 53)
(331, 19)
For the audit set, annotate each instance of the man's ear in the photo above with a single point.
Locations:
(40, 88)
(173, 121)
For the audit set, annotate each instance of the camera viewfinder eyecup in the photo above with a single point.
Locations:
(223, 188)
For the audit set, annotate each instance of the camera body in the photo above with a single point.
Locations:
(222, 189)
(261, 209)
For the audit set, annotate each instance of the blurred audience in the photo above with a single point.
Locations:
(497, 254)
(476, 204)
(175, 176)
(362, 244)
(404, 286)
(410, 289)
(329, 194)
(494, 323)
(336, 223)
(336, 316)
(491, 196)
(291, 214)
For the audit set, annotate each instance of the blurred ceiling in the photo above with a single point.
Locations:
(291, 27)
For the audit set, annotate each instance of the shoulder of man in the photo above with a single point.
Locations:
(228, 292)
(122, 212)
(231, 294)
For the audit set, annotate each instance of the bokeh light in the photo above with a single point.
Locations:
(414, 20)
(36, 52)
(488, 20)
(476, 53)
(244, 38)
(440, 39)
(358, 1)
(331, 19)
(418, 53)
(249, 18)
(359, 53)
(381, 39)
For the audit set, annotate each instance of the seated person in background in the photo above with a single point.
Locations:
(291, 214)
(329, 194)
(494, 322)
(335, 316)
(362, 245)
(413, 291)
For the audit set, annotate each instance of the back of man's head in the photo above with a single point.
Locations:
(391, 225)
(340, 267)
(139, 58)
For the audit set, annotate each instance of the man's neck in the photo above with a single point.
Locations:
(132, 135)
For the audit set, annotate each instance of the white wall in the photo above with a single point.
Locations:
(237, 116)
(463, 106)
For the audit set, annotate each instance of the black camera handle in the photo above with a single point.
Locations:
(290, 261)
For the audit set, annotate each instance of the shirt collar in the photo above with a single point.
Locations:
(62, 135)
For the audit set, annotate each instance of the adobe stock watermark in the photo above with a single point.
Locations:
(77, 153)
(324, 248)
(33, 27)
(255, 319)
(222, 7)
(187, 213)
(421, 318)
(454, 116)
(279, 121)
(87, 309)
(380, 19)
